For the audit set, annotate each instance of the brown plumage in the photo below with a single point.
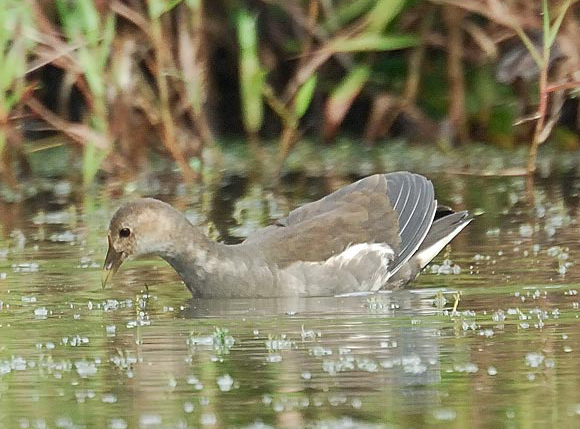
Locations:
(376, 233)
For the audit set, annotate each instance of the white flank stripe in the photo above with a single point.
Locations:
(426, 255)
(362, 250)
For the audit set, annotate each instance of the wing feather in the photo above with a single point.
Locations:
(416, 213)
(395, 208)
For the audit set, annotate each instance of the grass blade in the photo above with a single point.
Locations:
(342, 98)
(304, 96)
(382, 14)
(370, 42)
(251, 73)
(556, 26)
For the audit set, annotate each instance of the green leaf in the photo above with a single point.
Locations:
(160, 7)
(193, 4)
(304, 96)
(380, 16)
(93, 75)
(92, 160)
(13, 98)
(83, 25)
(347, 12)
(351, 84)
(107, 41)
(251, 74)
(556, 26)
(370, 42)
(90, 19)
(343, 96)
(15, 44)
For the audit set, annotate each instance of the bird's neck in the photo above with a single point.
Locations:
(196, 258)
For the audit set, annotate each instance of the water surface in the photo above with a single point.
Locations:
(143, 354)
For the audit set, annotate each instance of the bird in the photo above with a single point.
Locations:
(376, 233)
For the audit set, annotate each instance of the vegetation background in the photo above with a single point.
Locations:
(117, 82)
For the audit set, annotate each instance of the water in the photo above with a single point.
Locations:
(143, 354)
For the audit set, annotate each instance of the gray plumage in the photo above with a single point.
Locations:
(376, 233)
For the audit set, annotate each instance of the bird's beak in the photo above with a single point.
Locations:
(113, 261)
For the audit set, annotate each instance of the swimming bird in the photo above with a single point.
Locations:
(376, 233)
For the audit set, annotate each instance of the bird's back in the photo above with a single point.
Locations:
(352, 239)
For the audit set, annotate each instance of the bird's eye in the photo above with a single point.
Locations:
(124, 232)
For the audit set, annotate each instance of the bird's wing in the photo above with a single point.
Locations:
(396, 209)
(413, 198)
